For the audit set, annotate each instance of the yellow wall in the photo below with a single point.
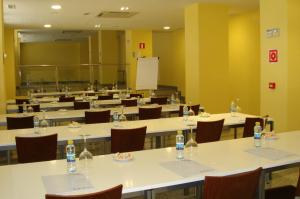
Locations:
(133, 38)
(244, 61)
(206, 54)
(273, 14)
(9, 63)
(293, 65)
(170, 48)
(2, 78)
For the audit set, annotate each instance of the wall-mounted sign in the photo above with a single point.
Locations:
(142, 45)
(273, 55)
(272, 85)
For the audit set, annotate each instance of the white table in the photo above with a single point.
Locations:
(78, 115)
(146, 173)
(76, 92)
(54, 105)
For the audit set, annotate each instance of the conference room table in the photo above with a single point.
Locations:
(149, 171)
(54, 105)
(78, 115)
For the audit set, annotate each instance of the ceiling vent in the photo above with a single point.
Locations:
(113, 14)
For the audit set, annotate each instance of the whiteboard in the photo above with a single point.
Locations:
(147, 73)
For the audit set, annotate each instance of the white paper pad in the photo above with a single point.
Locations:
(186, 168)
(269, 153)
(58, 184)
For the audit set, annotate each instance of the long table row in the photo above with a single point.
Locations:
(150, 170)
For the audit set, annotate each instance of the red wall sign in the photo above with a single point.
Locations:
(273, 55)
(272, 85)
(142, 45)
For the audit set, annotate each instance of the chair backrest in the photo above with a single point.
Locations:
(105, 97)
(159, 100)
(90, 94)
(249, 126)
(129, 102)
(92, 117)
(126, 140)
(35, 108)
(150, 113)
(195, 108)
(81, 105)
(21, 101)
(112, 193)
(298, 186)
(25, 122)
(209, 131)
(135, 95)
(36, 149)
(66, 99)
(243, 185)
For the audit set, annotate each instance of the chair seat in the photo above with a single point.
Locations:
(285, 192)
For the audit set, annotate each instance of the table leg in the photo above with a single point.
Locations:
(199, 191)
(261, 186)
(158, 142)
(235, 133)
(8, 156)
(149, 194)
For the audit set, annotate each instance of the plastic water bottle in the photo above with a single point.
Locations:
(185, 112)
(71, 157)
(115, 118)
(24, 107)
(36, 124)
(179, 145)
(257, 134)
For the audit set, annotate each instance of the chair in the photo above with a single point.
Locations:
(36, 149)
(105, 97)
(92, 117)
(35, 108)
(66, 99)
(209, 131)
(150, 113)
(195, 108)
(81, 105)
(159, 100)
(126, 140)
(19, 122)
(21, 101)
(249, 126)
(284, 192)
(243, 185)
(90, 94)
(135, 95)
(112, 193)
(129, 102)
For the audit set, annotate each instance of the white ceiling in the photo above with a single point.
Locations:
(152, 14)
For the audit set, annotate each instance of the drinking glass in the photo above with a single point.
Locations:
(122, 117)
(85, 154)
(191, 145)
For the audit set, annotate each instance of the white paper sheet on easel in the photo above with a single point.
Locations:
(59, 184)
(147, 73)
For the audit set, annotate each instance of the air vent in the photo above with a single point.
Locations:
(72, 31)
(113, 14)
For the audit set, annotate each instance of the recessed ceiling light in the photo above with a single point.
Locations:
(124, 8)
(97, 26)
(167, 27)
(47, 25)
(56, 7)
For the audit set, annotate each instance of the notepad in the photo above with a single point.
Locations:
(186, 168)
(59, 184)
(270, 153)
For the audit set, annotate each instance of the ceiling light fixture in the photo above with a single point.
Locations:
(56, 7)
(47, 26)
(97, 26)
(124, 8)
(167, 27)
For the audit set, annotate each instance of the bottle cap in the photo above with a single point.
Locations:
(257, 123)
(70, 142)
(179, 132)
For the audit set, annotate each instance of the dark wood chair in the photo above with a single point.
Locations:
(35, 108)
(129, 102)
(81, 105)
(126, 140)
(105, 97)
(195, 108)
(112, 193)
(21, 101)
(249, 126)
(25, 122)
(209, 131)
(66, 99)
(36, 149)
(136, 95)
(159, 100)
(238, 186)
(284, 192)
(90, 94)
(92, 117)
(150, 113)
